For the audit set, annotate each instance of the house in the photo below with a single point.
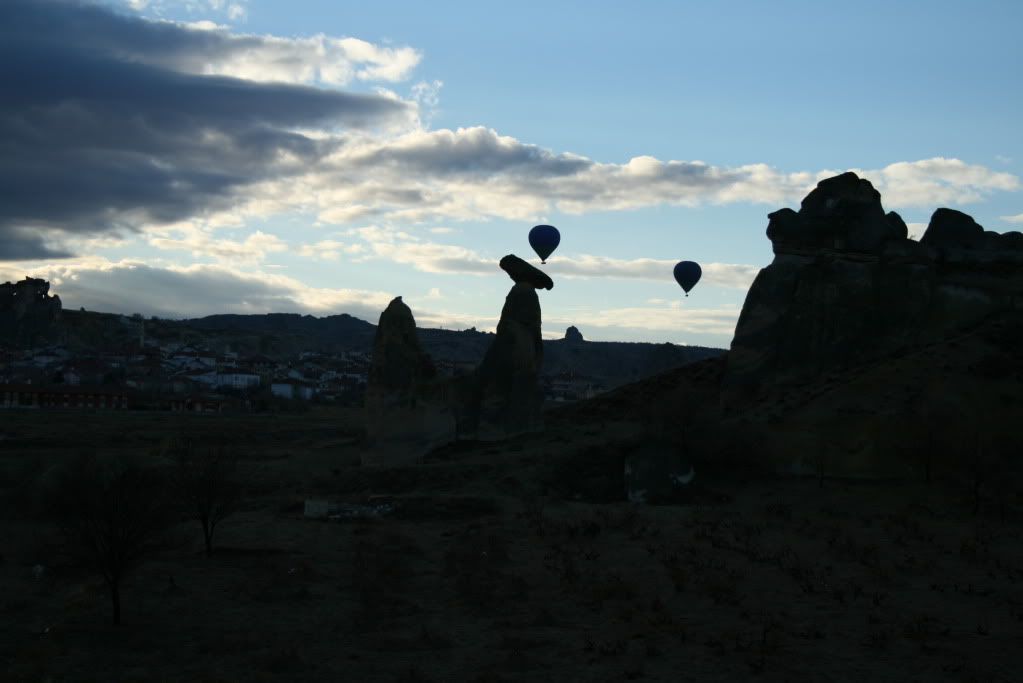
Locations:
(236, 378)
(293, 389)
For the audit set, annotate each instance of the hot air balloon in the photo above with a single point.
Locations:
(687, 274)
(544, 239)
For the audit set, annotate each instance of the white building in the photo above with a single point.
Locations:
(293, 390)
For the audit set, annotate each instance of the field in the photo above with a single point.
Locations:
(485, 571)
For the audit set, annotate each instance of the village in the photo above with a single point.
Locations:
(152, 374)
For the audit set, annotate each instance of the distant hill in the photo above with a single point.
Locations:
(612, 362)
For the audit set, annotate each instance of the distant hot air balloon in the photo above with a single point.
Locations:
(544, 239)
(687, 274)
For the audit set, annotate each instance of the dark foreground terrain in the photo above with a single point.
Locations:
(485, 572)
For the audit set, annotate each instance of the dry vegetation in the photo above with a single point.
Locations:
(491, 570)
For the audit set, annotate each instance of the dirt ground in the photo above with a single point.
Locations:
(484, 573)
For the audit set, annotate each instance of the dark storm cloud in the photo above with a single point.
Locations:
(99, 134)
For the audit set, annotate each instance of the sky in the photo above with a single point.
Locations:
(181, 158)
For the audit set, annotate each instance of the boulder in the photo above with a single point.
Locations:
(523, 273)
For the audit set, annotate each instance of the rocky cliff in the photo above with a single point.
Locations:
(28, 313)
(847, 286)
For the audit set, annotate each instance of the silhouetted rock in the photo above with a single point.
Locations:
(406, 412)
(28, 314)
(524, 273)
(573, 335)
(399, 365)
(899, 229)
(951, 228)
(508, 396)
(846, 286)
(841, 213)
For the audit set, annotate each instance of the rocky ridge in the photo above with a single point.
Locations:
(28, 313)
(847, 286)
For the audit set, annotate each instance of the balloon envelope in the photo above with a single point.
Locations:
(544, 239)
(687, 274)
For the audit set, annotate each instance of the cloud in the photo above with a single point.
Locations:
(329, 250)
(208, 49)
(700, 325)
(170, 291)
(96, 140)
(427, 95)
(112, 124)
(729, 275)
(188, 237)
(1018, 218)
(233, 10)
(938, 181)
(428, 257)
(477, 174)
(916, 230)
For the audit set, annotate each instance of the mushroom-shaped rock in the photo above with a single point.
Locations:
(508, 394)
(523, 273)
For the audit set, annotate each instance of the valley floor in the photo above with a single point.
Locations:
(481, 574)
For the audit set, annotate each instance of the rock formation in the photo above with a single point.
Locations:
(508, 396)
(406, 410)
(410, 411)
(847, 286)
(28, 314)
(573, 335)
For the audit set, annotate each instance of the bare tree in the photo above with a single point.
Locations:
(113, 516)
(206, 482)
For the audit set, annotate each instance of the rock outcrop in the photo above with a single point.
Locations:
(407, 413)
(28, 313)
(573, 336)
(847, 286)
(410, 411)
(508, 396)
